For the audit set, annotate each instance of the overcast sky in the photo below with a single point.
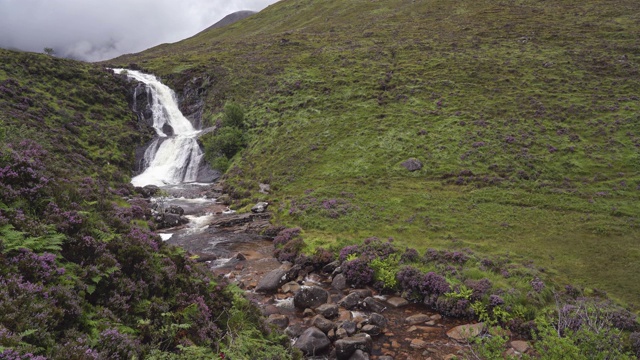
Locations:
(95, 30)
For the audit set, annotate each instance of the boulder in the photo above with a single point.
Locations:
(347, 346)
(463, 333)
(339, 282)
(350, 301)
(291, 287)
(312, 341)
(329, 311)
(412, 164)
(310, 297)
(520, 346)
(170, 220)
(173, 209)
(272, 281)
(260, 207)
(148, 191)
(349, 326)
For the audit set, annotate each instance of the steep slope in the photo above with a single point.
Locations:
(81, 274)
(231, 18)
(524, 115)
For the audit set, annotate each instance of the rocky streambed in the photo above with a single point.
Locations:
(324, 317)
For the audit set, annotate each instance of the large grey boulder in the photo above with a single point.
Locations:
(272, 281)
(310, 297)
(347, 346)
(312, 341)
(339, 282)
(350, 301)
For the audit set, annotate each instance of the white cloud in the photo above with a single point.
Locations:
(97, 29)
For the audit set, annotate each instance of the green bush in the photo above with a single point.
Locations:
(233, 116)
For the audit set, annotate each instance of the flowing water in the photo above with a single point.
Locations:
(171, 158)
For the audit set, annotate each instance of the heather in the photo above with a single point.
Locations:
(82, 274)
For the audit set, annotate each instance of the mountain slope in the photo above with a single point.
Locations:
(524, 115)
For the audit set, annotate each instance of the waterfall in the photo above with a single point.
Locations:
(174, 156)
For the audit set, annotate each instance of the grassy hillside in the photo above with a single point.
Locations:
(524, 114)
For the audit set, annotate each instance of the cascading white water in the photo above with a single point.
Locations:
(168, 160)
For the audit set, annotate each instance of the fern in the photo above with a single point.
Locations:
(12, 239)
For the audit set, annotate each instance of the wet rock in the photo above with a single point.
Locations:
(417, 319)
(308, 313)
(312, 341)
(272, 281)
(345, 315)
(372, 330)
(281, 321)
(359, 355)
(347, 346)
(294, 330)
(330, 267)
(260, 207)
(350, 301)
(173, 209)
(322, 323)
(170, 220)
(339, 282)
(377, 319)
(310, 297)
(329, 311)
(147, 191)
(463, 333)
(374, 305)
(239, 256)
(412, 164)
(397, 302)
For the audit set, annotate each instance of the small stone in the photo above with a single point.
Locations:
(347, 346)
(260, 207)
(520, 346)
(397, 302)
(377, 319)
(510, 352)
(272, 281)
(350, 301)
(341, 333)
(363, 293)
(450, 357)
(328, 310)
(331, 334)
(418, 344)
(395, 344)
(436, 317)
(293, 331)
(372, 330)
(330, 267)
(430, 323)
(412, 164)
(417, 319)
(349, 326)
(290, 287)
(281, 321)
(345, 315)
(312, 341)
(373, 305)
(308, 313)
(463, 333)
(412, 329)
(322, 323)
(359, 355)
(385, 357)
(339, 282)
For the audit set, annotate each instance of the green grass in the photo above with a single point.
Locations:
(524, 114)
